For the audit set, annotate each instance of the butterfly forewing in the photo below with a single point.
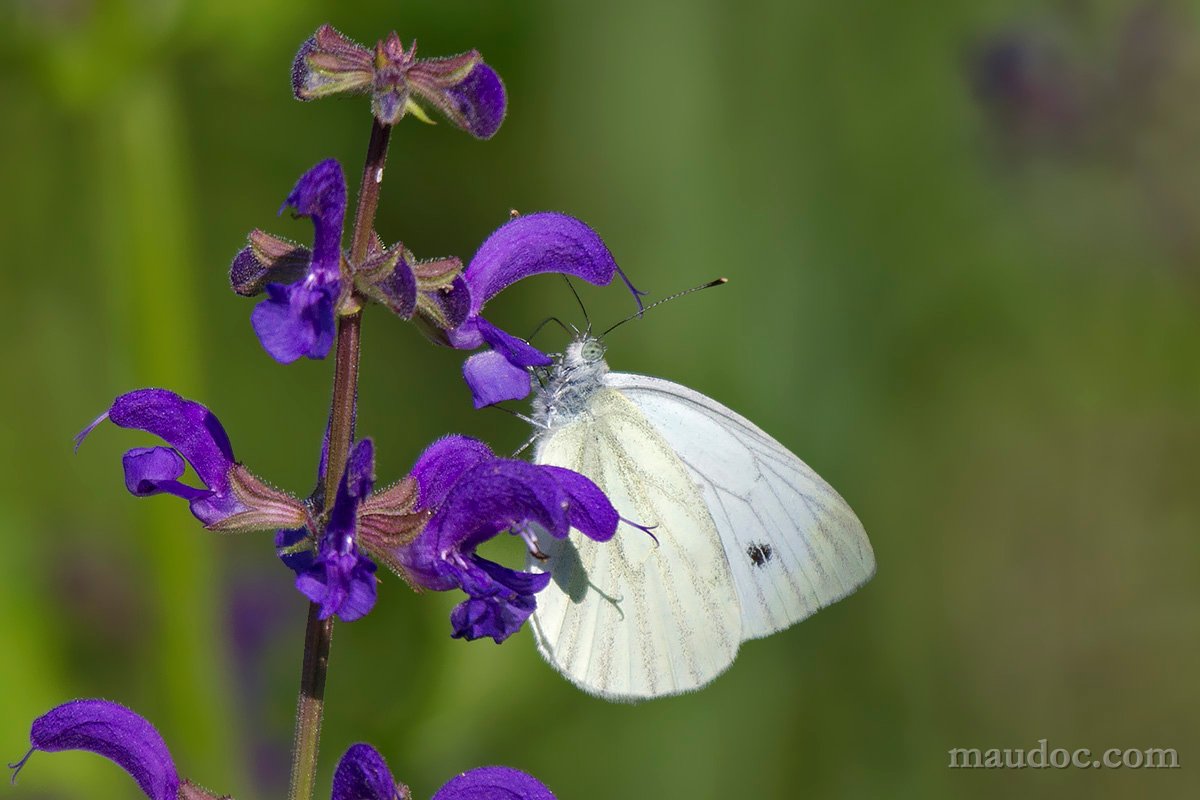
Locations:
(792, 543)
(635, 618)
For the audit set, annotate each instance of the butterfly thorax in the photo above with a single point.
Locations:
(568, 385)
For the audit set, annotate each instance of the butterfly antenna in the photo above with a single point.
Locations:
(543, 324)
(676, 296)
(524, 418)
(579, 300)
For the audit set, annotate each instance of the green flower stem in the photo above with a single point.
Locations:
(319, 633)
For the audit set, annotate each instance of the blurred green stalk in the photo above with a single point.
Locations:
(144, 228)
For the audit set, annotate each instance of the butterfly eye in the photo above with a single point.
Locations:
(592, 350)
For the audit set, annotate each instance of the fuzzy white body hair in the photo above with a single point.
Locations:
(575, 377)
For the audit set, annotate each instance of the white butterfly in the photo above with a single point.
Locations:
(747, 539)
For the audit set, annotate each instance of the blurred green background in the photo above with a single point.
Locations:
(964, 261)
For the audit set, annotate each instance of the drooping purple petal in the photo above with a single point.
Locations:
(440, 466)
(493, 616)
(340, 578)
(296, 320)
(517, 352)
(341, 583)
(154, 470)
(492, 379)
(362, 774)
(493, 783)
(511, 579)
(114, 732)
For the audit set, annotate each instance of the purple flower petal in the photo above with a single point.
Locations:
(533, 244)
(342, 584)
(496, 617)
(493, 379)
(480, 101)
(114, 732)
(340, 578)
(517, 352)
(320, 194)
(589, 509)
(493, 783)
(510, 579)
(186, 425)
(442, 464)
(466, 90)
(154, 470)
(362, 774)
(492, 497)
(296, 320)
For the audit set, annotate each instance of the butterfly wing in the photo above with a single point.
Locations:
(631, 618)
(793, 544)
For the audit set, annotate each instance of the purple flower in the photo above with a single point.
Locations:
(128, 740)
(362, 774)
(474, 496)
(338, 576)
(494, 783)
(303, 287)
(232, 499)
(466, 90)
(528, 245)
(112, 731)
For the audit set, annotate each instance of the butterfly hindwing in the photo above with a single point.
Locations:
(634, 618)
(793, 544)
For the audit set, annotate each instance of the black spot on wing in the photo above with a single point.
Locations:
(760, 554)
